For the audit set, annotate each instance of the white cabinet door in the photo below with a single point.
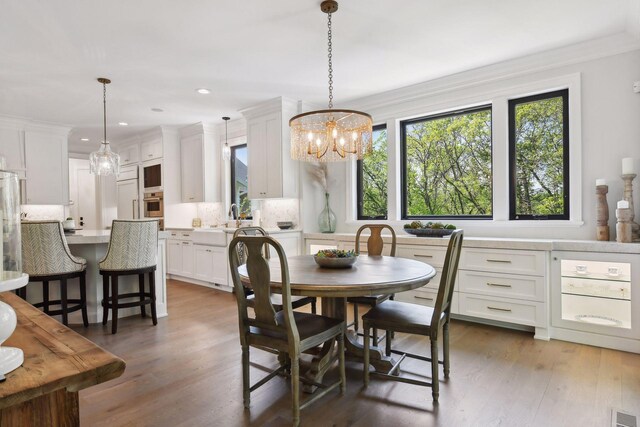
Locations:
(257, 158)
(47, 163)
(151, 149)
(129, 155)
(188, 263)
(203, 257)
(273, 159)
(219, 261)
(128, 202)
(12, 149)
(174, 256)
(192, 170)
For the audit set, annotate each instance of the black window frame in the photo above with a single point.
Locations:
(359, 187)
(564, 94)
(403, 163)
(232, 165)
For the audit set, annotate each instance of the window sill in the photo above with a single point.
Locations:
(483, 223)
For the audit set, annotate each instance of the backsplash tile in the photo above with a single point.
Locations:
(43, 212)
(275, 210)
(211, 214)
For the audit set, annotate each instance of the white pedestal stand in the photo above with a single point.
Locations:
(10, 357)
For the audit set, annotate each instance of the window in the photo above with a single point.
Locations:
(372, 178)
(539, 156)
(446, 165)
(239, 179)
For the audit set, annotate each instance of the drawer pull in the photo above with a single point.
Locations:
(503, 261)
(422, 256)
(208, 250)
(508, 310)
(185, 243)
(186, 235)
(499, 285)
(419, 297)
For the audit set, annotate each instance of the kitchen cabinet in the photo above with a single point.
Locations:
(12, 149)
(180, 254)
(200, 165)
(47, 164)
(151, 148)
(174, 256)
(210, 264)
(271, 171)
(129, 155)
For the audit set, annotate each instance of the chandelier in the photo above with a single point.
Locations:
(104, 161)
(333, 134)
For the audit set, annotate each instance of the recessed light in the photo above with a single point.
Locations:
(123, 123)
(84, 139)
(203, 91)
(157, 110)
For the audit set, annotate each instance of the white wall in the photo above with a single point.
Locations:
(610, 130)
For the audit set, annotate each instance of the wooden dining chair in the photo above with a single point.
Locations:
(375, 246)
(286, 331)
(395, 316)
(276, 299)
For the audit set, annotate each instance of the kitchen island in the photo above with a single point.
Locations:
(92, 245)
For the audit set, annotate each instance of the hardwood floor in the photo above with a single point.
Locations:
(186, 372)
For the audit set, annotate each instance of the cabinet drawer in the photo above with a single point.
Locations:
(502, 309)
(430, 255)
(216, 238)
(503, 261)
(425, 297)
(502, 285)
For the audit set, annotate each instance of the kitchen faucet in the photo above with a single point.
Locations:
(233, 214)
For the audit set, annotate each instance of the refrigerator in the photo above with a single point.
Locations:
(128, 193)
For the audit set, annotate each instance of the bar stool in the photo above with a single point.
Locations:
(132, 250)
(46, 258)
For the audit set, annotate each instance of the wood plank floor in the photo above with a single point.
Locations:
(186, 372)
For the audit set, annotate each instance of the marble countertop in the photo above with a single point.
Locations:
(230, 230)
(501, 243)
(92, 237)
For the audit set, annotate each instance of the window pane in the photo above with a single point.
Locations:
(372, 178)
(448, 165)
(239, 179)
(538, 139)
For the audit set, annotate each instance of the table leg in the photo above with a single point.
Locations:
(337, 308)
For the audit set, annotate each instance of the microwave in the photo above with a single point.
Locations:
(152, 176)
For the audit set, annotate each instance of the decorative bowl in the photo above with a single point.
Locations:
(284, 225)
(429, 232)
(325, 262)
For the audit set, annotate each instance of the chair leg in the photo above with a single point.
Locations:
(343, 375)
(143, 309)
(435, 384)
(45, 296)
(83, 298)
(355, 317)
(114, 303)
(152, 290)
(105, 298)
(445, 349)
(366, 355)
(246, 394)
(63, 302)
(375, 336)
(313, 306)
(295, 389)
(387, 343)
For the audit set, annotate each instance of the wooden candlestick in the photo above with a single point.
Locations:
(623, 226)
(628, 196)
(602, 213)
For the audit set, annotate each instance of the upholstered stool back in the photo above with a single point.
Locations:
(45, 251)
(133, 245)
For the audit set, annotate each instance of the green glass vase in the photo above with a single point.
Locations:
(327, 219)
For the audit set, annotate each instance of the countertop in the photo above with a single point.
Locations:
(501, 243)
(230, 230)
(92, 237)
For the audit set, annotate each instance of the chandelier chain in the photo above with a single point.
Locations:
(330, 56)
(104, 109)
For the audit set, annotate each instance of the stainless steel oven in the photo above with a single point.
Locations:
(152, 176)
(154, 206)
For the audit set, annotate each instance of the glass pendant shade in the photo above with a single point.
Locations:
(330, 135)
(226, 152)
(104, 161)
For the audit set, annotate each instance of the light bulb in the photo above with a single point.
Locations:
(354, 135)
(335, 133)
(342, 142)
(318, 142)
(310, 136)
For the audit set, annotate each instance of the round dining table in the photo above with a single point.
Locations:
(370, 275)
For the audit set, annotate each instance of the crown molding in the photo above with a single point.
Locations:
(23, 124)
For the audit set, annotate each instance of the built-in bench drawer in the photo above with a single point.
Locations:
(503, 261)
(431, 255)
(502, 309)
(425, 297)
(502, 285)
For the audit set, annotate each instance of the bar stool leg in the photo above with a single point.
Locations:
(152, 290)
(45, 296)
(114, 303)
(63, 302)
(143, 309)
(105, 298)
(83, 298)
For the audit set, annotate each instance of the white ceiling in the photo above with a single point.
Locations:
(157, 52)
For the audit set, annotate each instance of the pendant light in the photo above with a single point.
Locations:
(226, 150)
(104, 161)
(333, 134)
